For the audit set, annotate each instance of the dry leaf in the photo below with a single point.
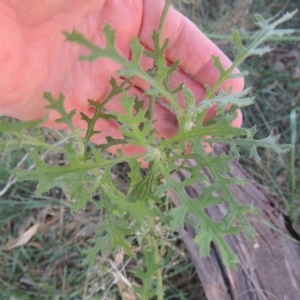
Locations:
(23, 239)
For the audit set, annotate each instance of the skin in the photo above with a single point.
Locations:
(35, 58)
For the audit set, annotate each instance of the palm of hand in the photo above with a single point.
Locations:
(34, 57)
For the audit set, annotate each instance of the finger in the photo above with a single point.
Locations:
(188, 44)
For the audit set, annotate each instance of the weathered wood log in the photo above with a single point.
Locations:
(269, 265)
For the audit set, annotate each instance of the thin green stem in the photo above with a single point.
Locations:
(160, 34)
(163, 21)
(159, 279)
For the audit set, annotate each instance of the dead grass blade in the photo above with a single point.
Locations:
(23, 239)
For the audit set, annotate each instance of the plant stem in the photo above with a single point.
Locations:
(163, 20)
(159, 279)
(160, 34)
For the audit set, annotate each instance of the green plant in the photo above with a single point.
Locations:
(138, 216)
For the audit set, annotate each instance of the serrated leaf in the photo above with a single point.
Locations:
(51, 176)
(233, 150)
(25, 141)
(138, 105)
(218, 65)
(230, 218)
(281, 32)
(238, 41)
(139, 209)
(252, 145)
(260, 51)
(287, 16)
(17, 128)
(134, 68)
(210, 230)
(239, 75)
(270, 142)
(102, 245)
(111, 142)
(235, 181)
(46, 182)
(58, 105)
(207, 198)
(131, 68)
(97, 52)
(86, 194)
(178, 217)
(224, 99)
(143, 189)
(236, 211)
(261, 21)
(137, 51)
(134, 174)
(138, 130)
(253, 153)
(189, 98)
(117, 240)
(79, 38)
(160, 190)
(222, 128)
(99, 107)
(214, 233)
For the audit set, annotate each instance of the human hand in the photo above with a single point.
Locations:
(34, 58)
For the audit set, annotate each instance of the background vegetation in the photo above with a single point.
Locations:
(49, 266)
